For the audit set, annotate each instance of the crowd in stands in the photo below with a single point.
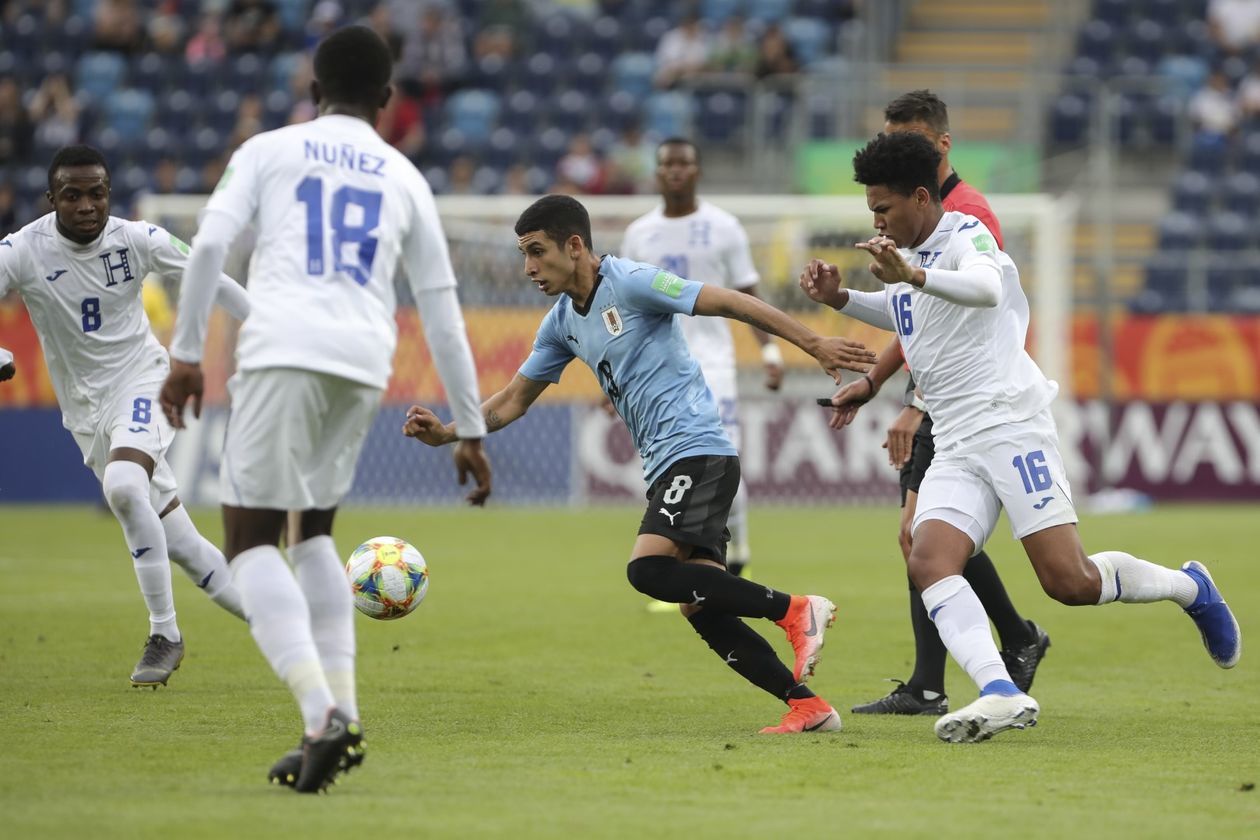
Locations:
(490, 95)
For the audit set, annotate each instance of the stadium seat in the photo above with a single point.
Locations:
(282, 68)
(473, 112)
(810, 38)
(1242, 193)
(449, 144)
(619, 110)
(1194, 37)
(548, 146)
(247, 73)
(1228, 231)
(486, 180)
(151, 72)
(541, 73)
(1208, 154)
(98, 74)
(129, 112)
(606, 36)
(503, 149)
(721, 118)
(669, 114)
(1249, 151)
(223, 110)
(1165, 286)
(717, 11)
(522, 108)
(157, 144)
(1098, 41)
(632, 72)
(1147, 39)
(769, 11)
(437, 178)
(1224, 276)
(205, 143)
(277, 106)
(55, 63)
(1165, 117)
(1179, 232)
(1069, 120)
(9, 63)
(176, 109)
(1192, 193)
(590, 73)
(820, 116)
(200, 78)
(571, 111)
(1165, 12)
(492, 72)
(1182, 74)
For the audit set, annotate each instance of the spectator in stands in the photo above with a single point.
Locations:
(16, 131)
(1234, 24)
(166, 33)
(434, 56)
(515, 180)
(207, 44)
(253, 26)
(582, 166)
(1249, 92)
(8, 210)
(401, 121)
(212, 171)
(775, 56)
(165, 177)
(499, 24)
(249, 120)
(1213, 109)
(461, 172)
(117, 26)
(55, 112)
(325, 17)
(682, 52)
(732, 50)
(381, 21)
(631, 163)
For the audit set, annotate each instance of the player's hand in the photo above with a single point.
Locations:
(7, 372)
(901, 435)
(821, 282)
(774, 376)
(182, 382)
(846, 402)
(837, 354)
(470, 459)
(423, 425)
(889, 266)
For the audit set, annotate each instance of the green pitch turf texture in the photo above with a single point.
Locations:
(531, 695)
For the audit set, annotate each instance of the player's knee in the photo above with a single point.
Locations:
(126, 487)
(649, 574)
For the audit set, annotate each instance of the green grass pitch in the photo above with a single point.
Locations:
(531, 695)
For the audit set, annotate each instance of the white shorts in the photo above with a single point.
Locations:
(1016, 467)
(722, 385)
(293, 438)
(134, 420)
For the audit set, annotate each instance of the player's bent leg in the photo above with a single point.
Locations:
(200, 559)
(739, 552)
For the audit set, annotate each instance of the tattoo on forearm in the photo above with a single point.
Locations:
(493, 420)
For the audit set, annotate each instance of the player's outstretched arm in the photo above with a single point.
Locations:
(498, 411)
(820, 281)
(834, 354)
(771, 355)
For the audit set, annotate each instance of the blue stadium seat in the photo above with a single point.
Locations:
(176, 109)
(820, 116)
(1249, 151)
(23, 35)
(204, 143)
(55, 63)
(770, 11)
(1112, 11)
(200, 78)
(1165, 286)
(1208, 154)
(9, 63)
(669, 114)
(1069, 120)
(717, 11)
(810, 38)
(1147, 39)
(522, 107)
(1179, 232)
(486, 180)
(282, 68)
(606, 35)
(571, 111)
(129, 112)
(474, 112)
(1242, 193)
(590, 73)
(277, 106)
(503, 149)
(541, 73)
(632, 72)
(1194, 37)
(1228, 231)
(151, 71)
(1182, 74)
(99, 73)
(247, 73)
(1223, 277)
(158, 143)
(437, 178)
(537, 180)
(1245, 298)
(1165, 117)
(721, 118)
(1192, 193)
(450, 144)
(619, 110)
(1166, 12)
(492, 72)
(548, 146)
(130, 179)
(1098, 41)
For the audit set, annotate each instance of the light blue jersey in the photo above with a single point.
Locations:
(630, 338)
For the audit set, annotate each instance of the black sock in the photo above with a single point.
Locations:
(983, 577)
(709, 587)
(929, 650)
(748, 654)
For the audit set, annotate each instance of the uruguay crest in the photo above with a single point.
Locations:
(612, 321)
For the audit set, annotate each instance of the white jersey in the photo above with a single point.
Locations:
(85, 303)
(336, 210)
(969, 362)
(709, 246)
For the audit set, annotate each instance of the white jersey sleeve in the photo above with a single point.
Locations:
(8, 265)
(740, 271)
(168, 258)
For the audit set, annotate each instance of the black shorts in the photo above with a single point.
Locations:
(690, 502)
(922, 451)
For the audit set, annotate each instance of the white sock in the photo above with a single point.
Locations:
(201, 560)
(280, 623)
(126, 486)
(739, 550)
(1131, 580)
(964, 629)
(323, 581)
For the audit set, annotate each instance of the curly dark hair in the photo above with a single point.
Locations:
(353, 66)
(902, 161)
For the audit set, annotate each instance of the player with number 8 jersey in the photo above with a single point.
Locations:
(337, 213)
(79, 271)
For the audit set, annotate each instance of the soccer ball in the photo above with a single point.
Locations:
(388, 577)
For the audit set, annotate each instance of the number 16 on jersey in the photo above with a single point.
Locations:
(352, 217)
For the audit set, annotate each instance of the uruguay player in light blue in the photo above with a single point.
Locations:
(617, 316)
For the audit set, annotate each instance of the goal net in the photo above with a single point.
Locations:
(567, 450)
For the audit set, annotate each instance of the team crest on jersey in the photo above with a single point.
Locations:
(612, 321)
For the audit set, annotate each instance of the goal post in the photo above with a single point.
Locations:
(567, 450)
